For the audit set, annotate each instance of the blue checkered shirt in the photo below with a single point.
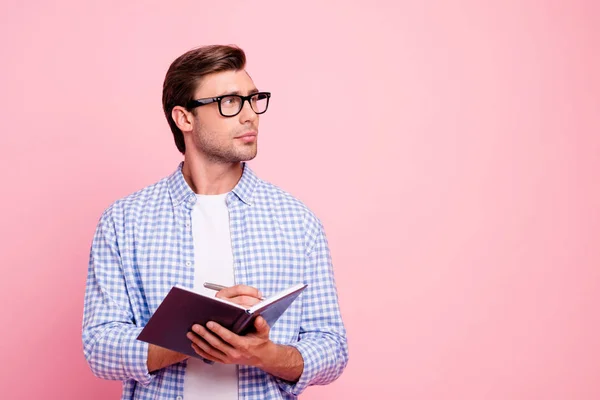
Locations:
(143, 246)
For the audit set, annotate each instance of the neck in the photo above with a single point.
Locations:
(205, 177)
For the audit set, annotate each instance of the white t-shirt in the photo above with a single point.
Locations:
(213, 260)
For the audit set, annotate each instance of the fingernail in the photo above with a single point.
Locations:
(260, 294)
(196, 328)
(210, 325)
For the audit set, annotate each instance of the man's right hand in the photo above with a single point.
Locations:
(243, 295)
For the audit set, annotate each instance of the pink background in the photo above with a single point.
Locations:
(451, 149)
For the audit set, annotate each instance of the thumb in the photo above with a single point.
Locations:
(261, 325)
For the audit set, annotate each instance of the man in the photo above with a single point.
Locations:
(212, 220)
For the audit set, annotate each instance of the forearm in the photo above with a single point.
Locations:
(284, 362)
(115, 353)
(324, 355)
(159, 357)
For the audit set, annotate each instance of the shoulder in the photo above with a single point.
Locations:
(285, 206)
(136, 203)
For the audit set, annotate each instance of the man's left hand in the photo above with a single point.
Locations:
(221, 345)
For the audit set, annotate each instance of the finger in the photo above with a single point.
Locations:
(225, 334)
(214, 341)
(262, 327)
(239, 290)
(205, 355)
(203, 349)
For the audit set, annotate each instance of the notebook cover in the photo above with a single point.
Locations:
(181, 309)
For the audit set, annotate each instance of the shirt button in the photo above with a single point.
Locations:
(188, 263)
(179, 398)
(191, 199)
(187, 224)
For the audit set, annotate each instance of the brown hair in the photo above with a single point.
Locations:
(185, 73)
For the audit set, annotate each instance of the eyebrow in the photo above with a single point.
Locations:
(238, 93)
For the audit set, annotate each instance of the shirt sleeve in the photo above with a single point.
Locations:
(322, 339)
(109, 332)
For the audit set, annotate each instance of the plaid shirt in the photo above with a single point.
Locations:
(143, 246)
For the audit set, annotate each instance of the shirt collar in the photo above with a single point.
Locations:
(244, 189)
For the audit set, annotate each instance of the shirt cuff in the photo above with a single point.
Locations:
(310, 355)
(135, 357)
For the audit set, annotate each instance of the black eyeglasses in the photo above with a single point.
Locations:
(230, 105)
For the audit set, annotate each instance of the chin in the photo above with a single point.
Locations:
(247, 154)
(248, 157)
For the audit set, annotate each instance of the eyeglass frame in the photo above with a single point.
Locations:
(209, 100)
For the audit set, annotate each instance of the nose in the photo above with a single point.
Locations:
(247, 114)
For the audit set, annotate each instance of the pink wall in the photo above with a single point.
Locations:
(452, 152)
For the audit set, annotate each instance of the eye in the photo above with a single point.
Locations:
(258, 97)
(230, 101)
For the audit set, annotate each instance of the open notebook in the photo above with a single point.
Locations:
(182, 308)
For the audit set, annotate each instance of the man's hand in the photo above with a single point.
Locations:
(219, 344)
(256, 349)
(243, 295)
(224, 346)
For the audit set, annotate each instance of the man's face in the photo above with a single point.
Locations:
(225, 139)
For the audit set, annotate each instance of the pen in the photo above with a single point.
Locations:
(216, 287)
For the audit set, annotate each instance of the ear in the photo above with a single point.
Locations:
(183, 118)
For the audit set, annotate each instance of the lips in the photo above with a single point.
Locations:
(247, 135)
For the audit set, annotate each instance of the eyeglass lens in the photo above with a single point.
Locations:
(231, 105)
